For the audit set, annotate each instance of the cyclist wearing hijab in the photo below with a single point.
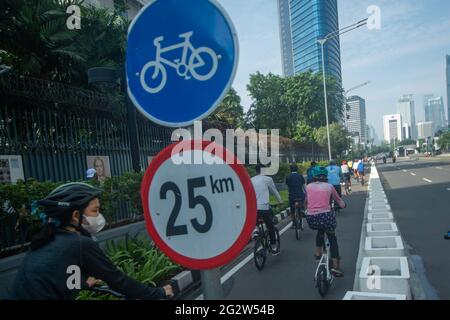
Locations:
(65, 245)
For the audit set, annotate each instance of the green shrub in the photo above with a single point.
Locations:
(140, 260)
(20, 196)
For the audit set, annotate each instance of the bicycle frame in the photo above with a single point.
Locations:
(186, 45)
(325, 260)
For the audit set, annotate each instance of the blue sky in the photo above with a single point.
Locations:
(406, 56)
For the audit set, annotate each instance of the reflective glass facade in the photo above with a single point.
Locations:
(311, 20)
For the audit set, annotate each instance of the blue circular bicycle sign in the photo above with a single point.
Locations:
(181, 60)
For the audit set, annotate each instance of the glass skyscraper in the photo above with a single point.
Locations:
(405, 107)
(448, 89)
(356, 122)
(308, 21)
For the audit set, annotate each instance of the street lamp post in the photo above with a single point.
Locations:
(322, 43)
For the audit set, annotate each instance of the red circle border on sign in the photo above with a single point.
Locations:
(250, 221)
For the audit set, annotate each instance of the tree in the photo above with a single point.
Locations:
(35, 38)
(267, 110)
(338, 138)
(406, 142)
(37, 42)
(305, 102)
(294, 105)
(230, 110)
(444, 140)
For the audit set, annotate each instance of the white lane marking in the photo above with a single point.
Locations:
(427, 180)
(448, 189)
(237, 267)
(413, 174)
(404, 170)
(439, 168)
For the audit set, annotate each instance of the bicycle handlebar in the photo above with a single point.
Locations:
(106, 290)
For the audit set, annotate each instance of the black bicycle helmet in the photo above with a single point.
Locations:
(294, 167)
(68, 196)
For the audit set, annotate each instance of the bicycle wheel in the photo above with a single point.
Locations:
(197, 60)
(259, 253)
(321, 281)
(278, 239)
(158, 78)
(298, 226)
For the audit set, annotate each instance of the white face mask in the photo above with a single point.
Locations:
(95, 224)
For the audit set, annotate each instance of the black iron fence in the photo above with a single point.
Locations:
(55, 127)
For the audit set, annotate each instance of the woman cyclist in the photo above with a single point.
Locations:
(320, 217)
(49, 270)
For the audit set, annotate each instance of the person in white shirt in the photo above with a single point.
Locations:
(355, 168)
(346, 173)
(263, 186)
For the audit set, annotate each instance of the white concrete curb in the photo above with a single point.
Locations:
(382, 229)
(357, 295)
(382, 267)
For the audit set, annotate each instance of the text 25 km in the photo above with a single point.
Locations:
(217, 186)
(253, 309)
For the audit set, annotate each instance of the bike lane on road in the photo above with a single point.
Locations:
(291, 274)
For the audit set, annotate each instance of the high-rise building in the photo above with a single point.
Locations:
(308, 21)
(133, 5)
(284, 21)
(424, 129)
(405, 107)
(372, 135)
(435, 112)
(448, 89)
(392, 125)
(426, 108)
(356, 122)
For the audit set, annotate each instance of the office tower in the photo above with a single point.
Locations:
(392, 127)
(435, 112)
(285, 38)
(356, 122)
(302, 23)
(424, 130)
(405, 107)
(448, 89)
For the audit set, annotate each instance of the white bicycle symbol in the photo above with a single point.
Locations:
(183, 69)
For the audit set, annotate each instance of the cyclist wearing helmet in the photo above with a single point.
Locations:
(346, 172)
(296, 185)
(335, 176)
(65, 245)
(309, 172)
(320, 217)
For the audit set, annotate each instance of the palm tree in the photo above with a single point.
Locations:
(36, 40)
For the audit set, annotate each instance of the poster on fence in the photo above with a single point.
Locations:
(101, 165)
(11, 168)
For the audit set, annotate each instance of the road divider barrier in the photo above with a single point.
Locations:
(389, 246)
(356, 295)
(381, 217)
(380, 229)
(382, 267)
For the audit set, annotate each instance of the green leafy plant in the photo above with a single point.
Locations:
(140, 260)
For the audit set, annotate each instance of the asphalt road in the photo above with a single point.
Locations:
(291, 274)
(419, 194)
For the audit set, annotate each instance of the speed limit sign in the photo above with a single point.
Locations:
(200, 215)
